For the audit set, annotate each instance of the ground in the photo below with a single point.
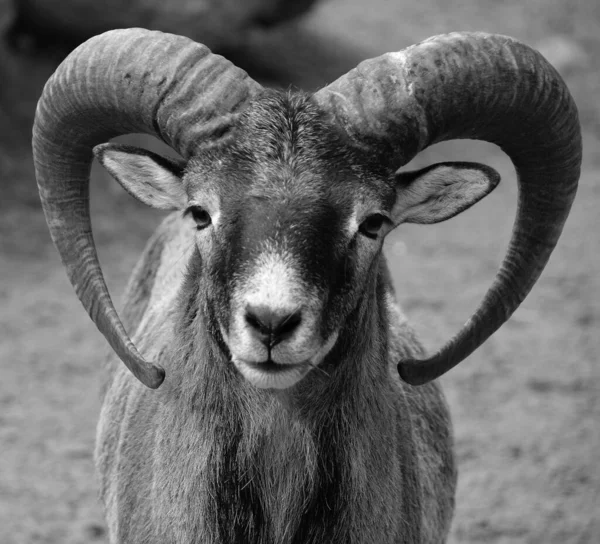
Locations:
(526, 406)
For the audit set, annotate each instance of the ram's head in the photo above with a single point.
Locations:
(289, 226)
(292, 194)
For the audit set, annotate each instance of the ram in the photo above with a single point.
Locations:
(296, 405)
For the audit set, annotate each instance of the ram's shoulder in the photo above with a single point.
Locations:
(153, 284)
(427, 402)
(431, 428)
(157, 270)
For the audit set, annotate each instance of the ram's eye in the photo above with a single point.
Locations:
(371, 226)
(200, 216)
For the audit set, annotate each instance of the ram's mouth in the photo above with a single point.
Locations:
(274, 367)
(272, 375)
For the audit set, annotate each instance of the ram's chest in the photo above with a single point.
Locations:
(240, 485)
(187, 481)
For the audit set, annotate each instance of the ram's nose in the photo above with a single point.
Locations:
(272, 326)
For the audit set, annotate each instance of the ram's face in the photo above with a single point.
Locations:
(283, 252)
(290, 221)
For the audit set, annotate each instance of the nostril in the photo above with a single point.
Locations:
(255, 322)
(272, 326)
(288, 324)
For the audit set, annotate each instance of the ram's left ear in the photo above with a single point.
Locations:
(441, 191)
(152, 179)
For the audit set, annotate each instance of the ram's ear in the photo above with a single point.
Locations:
(151, 178)
(441, 191)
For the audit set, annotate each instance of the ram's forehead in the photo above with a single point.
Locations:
(278, 184)
(290, 129)
(285, 149)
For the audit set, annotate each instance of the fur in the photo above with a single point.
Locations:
(357, 456)
(349, 454)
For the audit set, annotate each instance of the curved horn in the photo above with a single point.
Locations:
(477, 86)
(120, 82)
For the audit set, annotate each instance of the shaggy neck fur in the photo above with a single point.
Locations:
(287, 467)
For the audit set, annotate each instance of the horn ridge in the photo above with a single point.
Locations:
(119, 82)
(476, 86)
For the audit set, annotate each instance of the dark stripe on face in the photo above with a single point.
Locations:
(305, 230)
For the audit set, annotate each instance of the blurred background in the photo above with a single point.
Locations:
(526, 406)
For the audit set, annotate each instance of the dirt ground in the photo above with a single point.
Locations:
(526, 406)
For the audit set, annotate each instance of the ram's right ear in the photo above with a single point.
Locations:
(151, 178)
(441, 191)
